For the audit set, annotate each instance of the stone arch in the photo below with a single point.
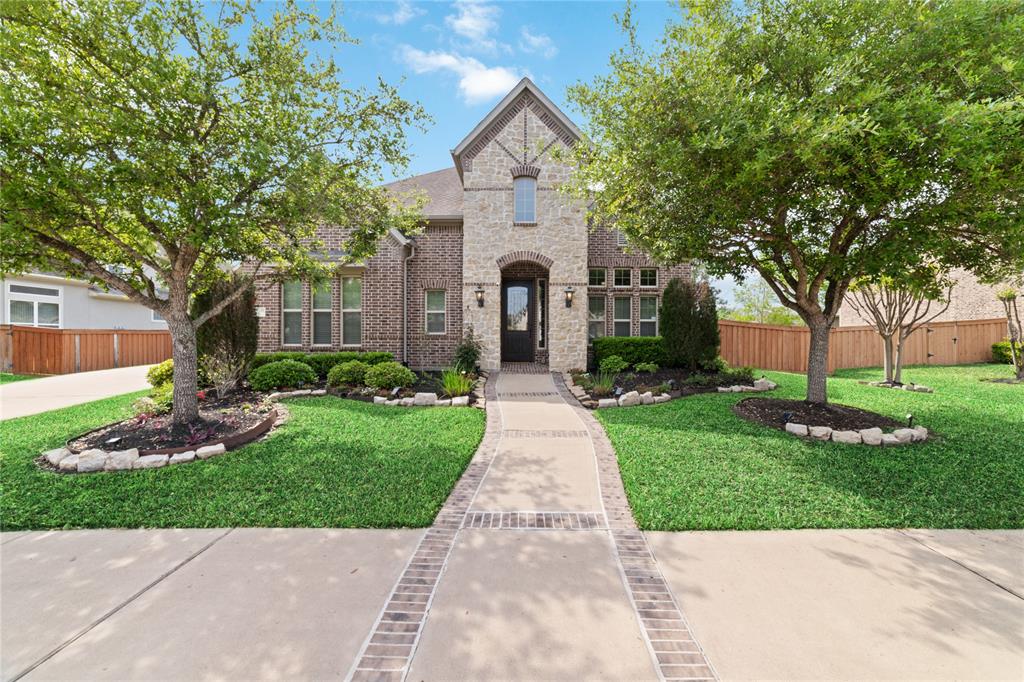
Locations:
(524, 256)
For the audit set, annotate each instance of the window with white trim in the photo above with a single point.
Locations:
(436, 316)
(620, 238)
(291, 313)
(623, 277)
(597, 277)
(649, 277)
(648, 316)
(525, 199)
(35, 306)
(351, 311)
(595, 317)
(157, 317)
(322, 297)
(623, 316)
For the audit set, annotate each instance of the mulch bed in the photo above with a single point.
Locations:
(426, 382)
(677, 380)
(773, 411)
(219, 418)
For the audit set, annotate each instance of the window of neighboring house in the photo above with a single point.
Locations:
(351, 311)
(435, 312)
(623, 316)
(620, 239)
(595, 317)
(157, 317)
(322, 297)
(649, 277)
(623, 277)
(37, 306)
(598, 277)
(291, 313)
(525, 200)
(648, 316)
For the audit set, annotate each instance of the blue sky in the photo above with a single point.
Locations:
(459, 58)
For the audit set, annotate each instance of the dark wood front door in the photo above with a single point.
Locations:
(517, 321)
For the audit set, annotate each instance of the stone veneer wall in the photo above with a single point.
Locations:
(603, 251)
(560, 233)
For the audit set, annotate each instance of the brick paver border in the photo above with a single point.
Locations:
(532, 520)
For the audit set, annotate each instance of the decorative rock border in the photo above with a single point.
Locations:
(872, 436)
(633, 398)
(64, 460)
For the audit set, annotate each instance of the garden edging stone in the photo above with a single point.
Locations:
(872, 436)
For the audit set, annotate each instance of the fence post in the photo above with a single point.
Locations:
(78, 352)
(117, 350)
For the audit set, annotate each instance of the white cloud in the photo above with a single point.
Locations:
(475, 21)
(477, 82)
(404, 12)
(536, 43)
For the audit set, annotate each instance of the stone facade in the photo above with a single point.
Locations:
(471, 242)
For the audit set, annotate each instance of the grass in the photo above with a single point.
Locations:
(8, 378)
(336, 463)
(693, 464)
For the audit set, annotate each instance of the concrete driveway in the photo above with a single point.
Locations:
(22, 398)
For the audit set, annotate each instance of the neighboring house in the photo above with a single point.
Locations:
(969, 300)
(502, 251)
(56, 302)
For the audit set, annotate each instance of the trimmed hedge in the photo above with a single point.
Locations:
(632, 349)
(281, 374)
(1001, 353)
(321, 362)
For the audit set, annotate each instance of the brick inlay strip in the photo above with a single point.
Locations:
(674, 650)
(532, 520)
(542, 433)
(527, 394)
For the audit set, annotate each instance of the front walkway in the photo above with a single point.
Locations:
(22, 398)
(532, 570)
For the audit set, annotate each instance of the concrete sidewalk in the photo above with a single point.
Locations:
(22, 398)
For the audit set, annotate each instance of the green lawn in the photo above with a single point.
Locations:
(693, 464)
(8, 378)
(336, 463)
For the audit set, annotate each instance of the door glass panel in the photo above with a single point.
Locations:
(517, 307)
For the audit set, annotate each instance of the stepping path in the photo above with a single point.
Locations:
(534, 567)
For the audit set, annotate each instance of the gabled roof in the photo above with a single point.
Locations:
(443, 189)
(564, 128)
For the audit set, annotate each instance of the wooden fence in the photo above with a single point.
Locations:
(34, 350)
(785, 348)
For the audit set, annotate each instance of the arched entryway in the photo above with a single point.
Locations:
(524, 309)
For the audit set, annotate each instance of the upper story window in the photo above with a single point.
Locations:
(597, 277)
(623, 277)
(38, 306)
(649, 277)
(620, 238)
(525, 199)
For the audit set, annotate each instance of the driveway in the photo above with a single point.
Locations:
(22, 398)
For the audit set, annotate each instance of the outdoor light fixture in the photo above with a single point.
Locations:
(479, 297)
(910, 421)
(569, 291)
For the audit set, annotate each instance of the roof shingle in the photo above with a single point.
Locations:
(443, 189)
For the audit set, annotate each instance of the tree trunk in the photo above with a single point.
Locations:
(817, 362)
(891, 372)
(186, 369)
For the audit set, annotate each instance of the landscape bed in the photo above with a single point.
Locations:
(694, 464)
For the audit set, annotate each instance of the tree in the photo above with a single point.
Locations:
(1015, 330)
(146, 144)
(226, 344)
(689, 325)
(813, 142)
(756, 302)
(896, 310)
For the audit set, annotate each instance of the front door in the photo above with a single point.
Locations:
(517, 321)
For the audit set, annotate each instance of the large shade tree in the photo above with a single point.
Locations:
(814, 142)
(149, 145)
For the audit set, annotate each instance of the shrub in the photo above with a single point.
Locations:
(632, 349)
(161, 374)
(145, 405)
(738, 375)
(647, 367)
(322, 362)
(467, 353)
(1001, 353)
(281, 374)
(351, 373)
(456, 382)
(613, 364)
(689, 325)
(162, 397)
(226, 343)
(602, 384)
(389, 375)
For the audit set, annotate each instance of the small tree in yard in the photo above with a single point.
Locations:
(1015, 330)
(896, 310)
(756, 302)
(143, 145)
(226, 344)
(814, 142)
(689, 325)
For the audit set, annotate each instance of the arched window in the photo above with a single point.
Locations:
(526, 199)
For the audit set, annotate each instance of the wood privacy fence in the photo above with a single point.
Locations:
(785, 349)
(34, 350)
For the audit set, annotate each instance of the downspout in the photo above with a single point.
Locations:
(405, 302)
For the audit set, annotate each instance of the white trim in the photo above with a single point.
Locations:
(153, 316)
(603, 284)
(291, 310)
(603, 320)
(313, 310)
(341, 322)
(529, 185)
(628, 320)
(427, 312)
(622, 286)
(640, 278)
(35, 300)
(640, 313)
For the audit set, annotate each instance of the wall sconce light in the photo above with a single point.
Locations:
(569, 291)
(479, 297)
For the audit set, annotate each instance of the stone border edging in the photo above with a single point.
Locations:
(872, 436)
(912, 387)
(633, 398)
(64, 460)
